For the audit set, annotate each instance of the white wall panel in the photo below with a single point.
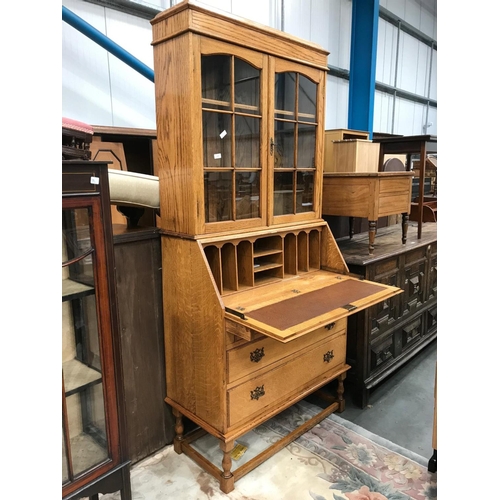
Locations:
(320, 20)
(86, 93)
(397, 7)
(339, 33)
(382, 112)
(133, 95)
(428, 23)
(410, 118)
(433, 88)
(432, 120)
(415, 13)
(337, 99)
(403, 119)
(412, 13)
(386, 52)
(414, 64)
(98, 88)
(224, 5)
(259, 11)
(297, 18)
(419, 118)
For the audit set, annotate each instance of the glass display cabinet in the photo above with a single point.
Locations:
(256, 292)
(93, 448)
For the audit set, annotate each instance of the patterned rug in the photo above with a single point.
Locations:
(336, 460)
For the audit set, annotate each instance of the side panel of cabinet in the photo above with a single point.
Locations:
(194, 331)
(150, 424)
(178, 103)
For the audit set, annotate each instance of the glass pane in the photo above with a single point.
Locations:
(305, 191)
(283, 144)
(216, 139)
(307, 99)
(247, 135)
(283, 193)
(247, 195)
(306, 147)
(218, 196)
(84, 419)
(216, 81)
(246, 86)
(284, 95)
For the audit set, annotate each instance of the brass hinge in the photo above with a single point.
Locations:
(349, 307)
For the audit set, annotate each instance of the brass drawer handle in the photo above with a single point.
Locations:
(328, 356)
(257, 355)
(330, 326)
(257, 392)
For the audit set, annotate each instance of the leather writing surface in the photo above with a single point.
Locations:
(303, 307)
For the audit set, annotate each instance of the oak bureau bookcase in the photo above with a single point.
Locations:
(256, 292)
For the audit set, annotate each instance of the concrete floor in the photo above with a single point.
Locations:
(401, 408)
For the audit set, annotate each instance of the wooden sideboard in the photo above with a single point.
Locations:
(385, 336)
(371, 195)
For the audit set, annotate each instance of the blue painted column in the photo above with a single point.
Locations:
(364, 32)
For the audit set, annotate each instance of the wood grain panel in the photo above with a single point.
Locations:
(150, 424)
(241, 363)
(287, 379)
(194, 331)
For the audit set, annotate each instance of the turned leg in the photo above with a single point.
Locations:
(351, 227)
(227, 478)
(340, 392)
(372, 228)
(433, 462)
(126, 491)
(404, 226)
(179, 431)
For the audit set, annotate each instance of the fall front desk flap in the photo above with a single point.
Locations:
(289, 309)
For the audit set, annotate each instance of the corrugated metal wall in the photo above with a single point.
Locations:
(100, 89)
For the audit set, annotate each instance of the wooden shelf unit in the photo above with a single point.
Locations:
(237, 264)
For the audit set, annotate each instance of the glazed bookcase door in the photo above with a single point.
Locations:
(88, 402)
(296, 129)
(234, 135)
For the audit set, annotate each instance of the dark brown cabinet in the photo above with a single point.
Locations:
(383, 337)
(94, 454)
(150, 424)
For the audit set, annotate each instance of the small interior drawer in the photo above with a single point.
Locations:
(286, 379)
(265, 351)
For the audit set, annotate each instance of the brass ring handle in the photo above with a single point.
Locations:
(258, 392)
(328, 356)
(257, 355)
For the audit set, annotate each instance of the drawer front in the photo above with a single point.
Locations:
(265, 351)
(284, 381)
(412, 333)
(382, 352)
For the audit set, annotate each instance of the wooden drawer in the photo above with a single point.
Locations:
(382, 352)
(286, 380)
(265, 351)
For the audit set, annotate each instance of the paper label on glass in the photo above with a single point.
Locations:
(94, 180)
(217, 156)
(223, 134)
